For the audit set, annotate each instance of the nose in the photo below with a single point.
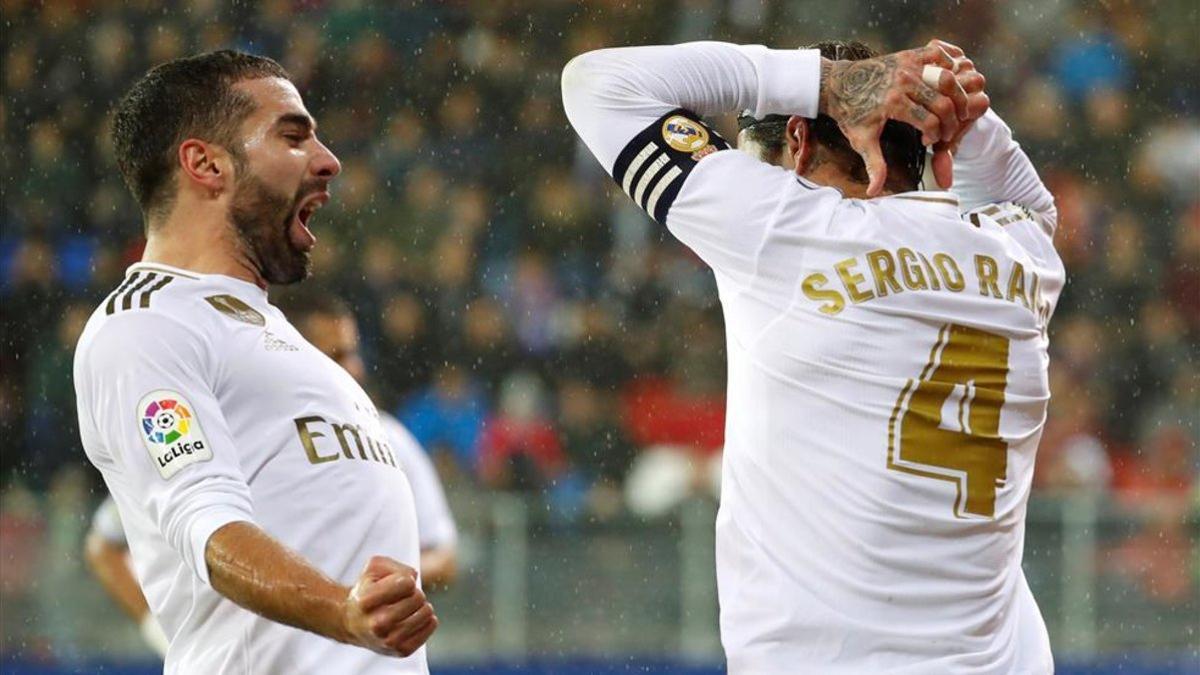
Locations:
(326, 164)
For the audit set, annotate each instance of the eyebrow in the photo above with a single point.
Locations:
(299, 119)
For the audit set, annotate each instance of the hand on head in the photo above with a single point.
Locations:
(863, 95)
(972, 82)
(386, 611)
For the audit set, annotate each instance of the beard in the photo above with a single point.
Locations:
(261, 219)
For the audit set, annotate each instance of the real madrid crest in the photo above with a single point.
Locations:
(236, 309)
(684, 134)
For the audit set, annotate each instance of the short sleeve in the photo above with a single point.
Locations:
(144, 387)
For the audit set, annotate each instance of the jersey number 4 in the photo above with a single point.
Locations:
(946, 423)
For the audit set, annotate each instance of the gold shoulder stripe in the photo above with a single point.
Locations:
(138, 281)
(935, 200)
(111, 305)
(145, 301)
(127, 299)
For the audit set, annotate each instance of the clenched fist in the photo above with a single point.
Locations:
(386, 610)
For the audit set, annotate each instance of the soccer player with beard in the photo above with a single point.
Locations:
(887, 345)
(271, 527)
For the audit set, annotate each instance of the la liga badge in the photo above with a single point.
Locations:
(171, 432)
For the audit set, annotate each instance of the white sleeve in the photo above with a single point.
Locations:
(106, 523)
(991, 168)
(638, 110)
(144, 383)
(435, 523)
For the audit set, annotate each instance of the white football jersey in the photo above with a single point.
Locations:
(887, 371)
(435, 522)
(201, 405)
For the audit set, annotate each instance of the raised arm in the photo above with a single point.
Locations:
(612, 95)
(990, 167)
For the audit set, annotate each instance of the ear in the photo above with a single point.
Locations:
(799, 144)
(205, 166)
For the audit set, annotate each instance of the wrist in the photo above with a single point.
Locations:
(346, 613)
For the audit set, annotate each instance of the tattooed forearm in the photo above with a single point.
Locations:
(852, 91)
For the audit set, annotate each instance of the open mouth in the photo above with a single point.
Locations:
(298, 232)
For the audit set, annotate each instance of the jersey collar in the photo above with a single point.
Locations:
(242, 286)
(929, 197)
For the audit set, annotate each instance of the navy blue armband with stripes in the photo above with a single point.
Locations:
(653, 166)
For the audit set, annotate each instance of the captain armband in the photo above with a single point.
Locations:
(654, 165)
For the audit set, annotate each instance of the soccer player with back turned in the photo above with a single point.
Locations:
(887, 346)
(271, 527)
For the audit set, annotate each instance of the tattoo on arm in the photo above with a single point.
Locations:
(854, 90)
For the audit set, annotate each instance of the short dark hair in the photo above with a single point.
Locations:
(190, 97)
(901, 143)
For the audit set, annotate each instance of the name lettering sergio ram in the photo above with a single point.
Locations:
(906, 269)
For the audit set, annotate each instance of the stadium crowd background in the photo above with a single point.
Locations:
(535, 330)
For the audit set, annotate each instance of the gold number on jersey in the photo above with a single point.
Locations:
(946, 423)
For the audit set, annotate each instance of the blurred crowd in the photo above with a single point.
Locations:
(535, 331)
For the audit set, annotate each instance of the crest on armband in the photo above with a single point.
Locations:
(684, 134)
(654, 165)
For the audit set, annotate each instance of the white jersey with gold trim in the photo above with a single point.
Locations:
(201, 405)
(435, 522)
(887, 370)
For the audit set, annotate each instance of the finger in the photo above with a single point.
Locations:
(943, 165)
(959, 58)
(410, 627)
(920, 118)
(385, 591)
(380, 566)
(932, 54)
(972, 81)
(977, 106)
(949, 86)
(951, 49)
(945, 83)
(384, 620)
(414, 642)
(865, 141)
(934, 102)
